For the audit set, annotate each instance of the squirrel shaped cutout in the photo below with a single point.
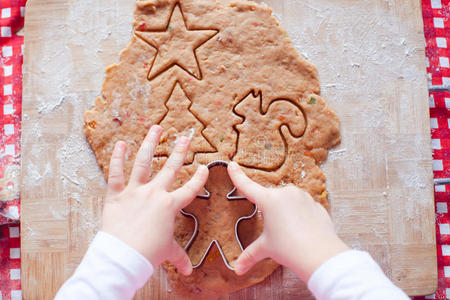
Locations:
(267, 149)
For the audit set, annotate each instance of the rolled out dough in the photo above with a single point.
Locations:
(228, 76)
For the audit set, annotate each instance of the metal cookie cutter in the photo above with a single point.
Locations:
(230, 198)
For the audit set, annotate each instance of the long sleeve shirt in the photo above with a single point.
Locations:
(113, 270)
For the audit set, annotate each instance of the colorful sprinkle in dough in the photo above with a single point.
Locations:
(228, 76)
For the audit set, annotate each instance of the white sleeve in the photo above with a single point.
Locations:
(110, 270)
(353, 275)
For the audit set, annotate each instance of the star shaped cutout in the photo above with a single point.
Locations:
(176, 45)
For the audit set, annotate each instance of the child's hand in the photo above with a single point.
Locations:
(298, 231)
(142, 214)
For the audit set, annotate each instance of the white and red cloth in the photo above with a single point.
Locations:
(11, 47)
(436, 16)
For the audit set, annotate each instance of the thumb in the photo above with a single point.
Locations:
(254, 253)
(250, 189)
(179, 258)
(185, 194)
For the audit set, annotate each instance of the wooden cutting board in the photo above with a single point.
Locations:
(371, 61)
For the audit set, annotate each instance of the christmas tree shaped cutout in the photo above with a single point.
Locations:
(179, 108)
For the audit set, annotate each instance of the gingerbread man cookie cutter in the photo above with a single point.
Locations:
(236, 225)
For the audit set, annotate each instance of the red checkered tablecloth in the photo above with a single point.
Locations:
(10, 263)
(11, 49)
(436, 16)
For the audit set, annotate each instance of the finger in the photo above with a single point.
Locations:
(143, 163)
(180, 259)
(185, 194)
(167, 175)
(250, 189)
(116, 181)
(254, 253)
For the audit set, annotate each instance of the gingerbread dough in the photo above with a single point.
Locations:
(228, 76)
(217, 217)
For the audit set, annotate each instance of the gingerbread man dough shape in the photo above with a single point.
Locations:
(211, 211)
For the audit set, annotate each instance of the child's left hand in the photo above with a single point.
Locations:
(142, 214)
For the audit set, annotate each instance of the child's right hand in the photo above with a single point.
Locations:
(298, 231)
